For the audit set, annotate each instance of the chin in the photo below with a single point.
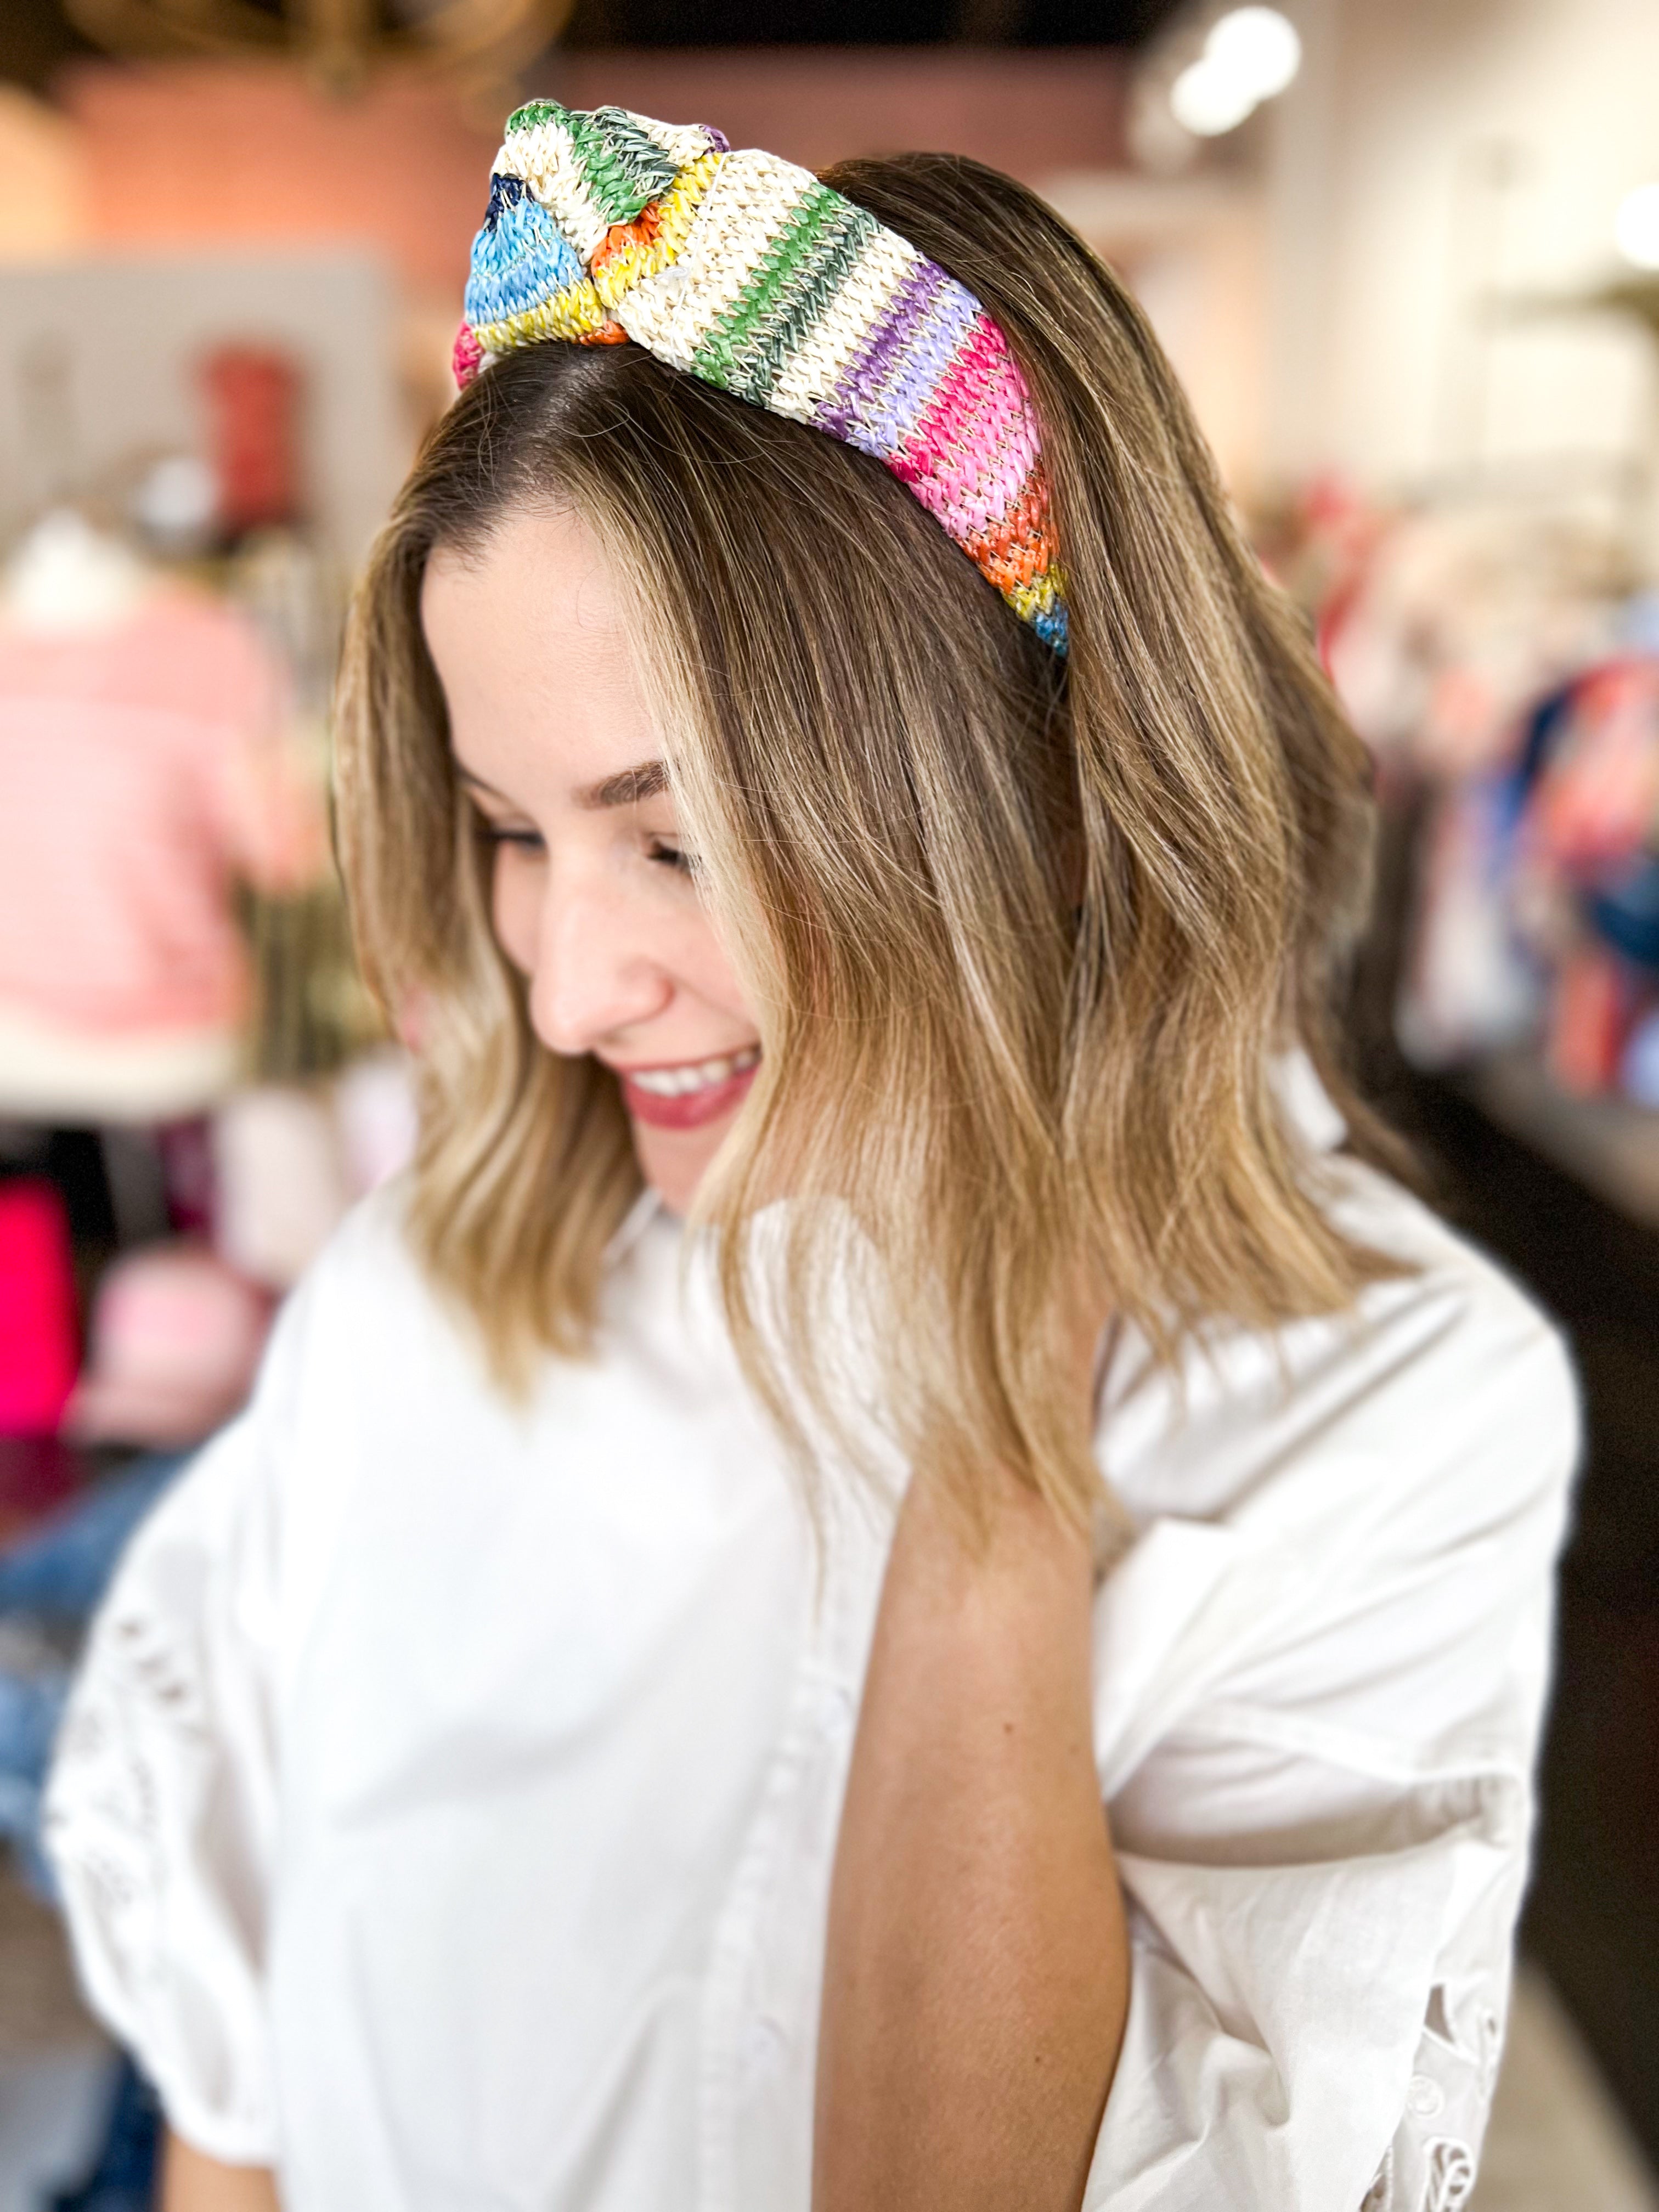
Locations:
(673, 1161)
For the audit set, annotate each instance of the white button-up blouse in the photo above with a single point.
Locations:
(446, 1808)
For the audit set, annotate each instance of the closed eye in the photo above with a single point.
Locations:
(670, 856)
(506, 833)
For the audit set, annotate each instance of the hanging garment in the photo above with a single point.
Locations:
(145, 770)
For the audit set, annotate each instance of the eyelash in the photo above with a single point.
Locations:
(663, 854)
(671, 856)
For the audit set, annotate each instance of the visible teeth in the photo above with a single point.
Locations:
(676, 1082)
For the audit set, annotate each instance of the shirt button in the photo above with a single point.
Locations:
(1424, 2097)
(763, 2046)
(836, 1713)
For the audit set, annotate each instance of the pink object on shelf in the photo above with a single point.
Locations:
(37, 1350)
(175, 1342)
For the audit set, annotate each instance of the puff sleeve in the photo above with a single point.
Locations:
(159, 1809)
(1316, 1718)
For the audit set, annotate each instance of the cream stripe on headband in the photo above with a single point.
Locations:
(741, 213)
(745, 271)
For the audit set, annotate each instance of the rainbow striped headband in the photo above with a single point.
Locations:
(747, 272)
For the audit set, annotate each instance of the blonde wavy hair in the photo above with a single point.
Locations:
(1023, 937)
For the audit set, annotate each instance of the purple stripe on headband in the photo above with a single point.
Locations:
(893, 378)
(936, 338)
(934, 341)
(872, 363)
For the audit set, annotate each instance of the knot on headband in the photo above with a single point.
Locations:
(747, 272)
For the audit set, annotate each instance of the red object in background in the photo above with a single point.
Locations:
(1596, 797)
(1589, 1019)
(253, 403)
(38, 1354)
(37, 1475)
(186, 1150)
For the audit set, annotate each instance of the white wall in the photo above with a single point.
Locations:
(1432, 152)
(124, 336)
(1192, 251)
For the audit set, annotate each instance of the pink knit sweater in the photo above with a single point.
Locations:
(142, 768)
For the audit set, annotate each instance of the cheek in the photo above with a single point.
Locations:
(703, 967)
(515, 905)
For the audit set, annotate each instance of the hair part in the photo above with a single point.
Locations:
(1024, 937)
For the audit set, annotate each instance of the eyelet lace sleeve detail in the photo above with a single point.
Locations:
(1430, 2167)
(1316, 1721)
(158, 1809)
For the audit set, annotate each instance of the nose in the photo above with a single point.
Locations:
(595, 974)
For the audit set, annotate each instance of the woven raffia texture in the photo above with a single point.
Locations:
(745, 271)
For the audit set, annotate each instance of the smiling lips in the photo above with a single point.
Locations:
(686, 1097)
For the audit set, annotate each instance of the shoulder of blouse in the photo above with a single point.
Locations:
(1443, 1401)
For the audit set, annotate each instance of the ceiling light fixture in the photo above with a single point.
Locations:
(1636, 227)
(1251, 55)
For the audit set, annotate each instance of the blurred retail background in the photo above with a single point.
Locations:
(1405, 254)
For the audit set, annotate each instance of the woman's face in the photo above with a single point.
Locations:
(593, 895)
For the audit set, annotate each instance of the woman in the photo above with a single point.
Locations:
(998, 1665)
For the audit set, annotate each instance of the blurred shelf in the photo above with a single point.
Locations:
(1611, 1146)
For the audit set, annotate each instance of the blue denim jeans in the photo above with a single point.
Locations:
(49, 1583)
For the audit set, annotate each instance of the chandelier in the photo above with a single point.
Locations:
(338, 42)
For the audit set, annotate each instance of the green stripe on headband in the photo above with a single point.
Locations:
(623, 169)
(794, 286)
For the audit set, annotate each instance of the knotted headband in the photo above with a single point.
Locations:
(747, 272)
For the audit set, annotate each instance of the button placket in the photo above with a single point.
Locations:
(767, 1945)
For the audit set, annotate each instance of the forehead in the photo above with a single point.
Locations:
(529, 635)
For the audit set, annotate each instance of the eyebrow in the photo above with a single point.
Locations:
(630, 786)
